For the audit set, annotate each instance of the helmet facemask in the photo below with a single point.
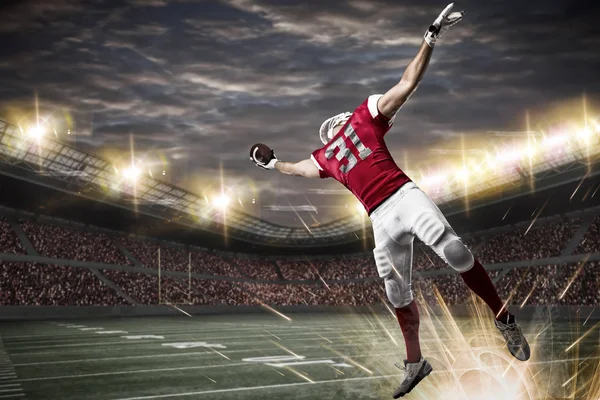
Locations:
(326, 131)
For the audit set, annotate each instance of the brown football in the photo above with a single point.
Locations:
(261, 152)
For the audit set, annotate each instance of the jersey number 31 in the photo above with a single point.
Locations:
(345, 152)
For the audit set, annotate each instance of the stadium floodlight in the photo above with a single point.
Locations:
(555, 140)
(432, 180)
(36, 132)
(463, 174)
(221, 201)
(530, 151)
(584, 134)
(131, 173)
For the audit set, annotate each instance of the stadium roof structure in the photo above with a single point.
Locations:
(53, 164)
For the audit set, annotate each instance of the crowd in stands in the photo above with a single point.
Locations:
(144, 289)
(541, 241)
(55, 241)
(573, 284)
(52, 285)
(257, 269)
(351, 294)
(208, 263)
(350, 268)
(9, 243)
(591, 240)
(31, 284)
(298, 270)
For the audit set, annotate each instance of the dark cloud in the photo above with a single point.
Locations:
(198, 82)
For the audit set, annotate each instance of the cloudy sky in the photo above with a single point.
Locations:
(197, 82)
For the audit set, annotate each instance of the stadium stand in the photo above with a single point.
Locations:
(27, 284)
(9, 243)
(518, 244)
(211, 264)
(259, 269)
(55, 241)
(350, 268)
(31, 284)
(591, 239)
(575, 284)
(359, 293)
(296, 270)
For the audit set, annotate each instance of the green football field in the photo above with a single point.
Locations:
(313, 356)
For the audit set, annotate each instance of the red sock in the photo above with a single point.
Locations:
(478, 280)
(408, 317)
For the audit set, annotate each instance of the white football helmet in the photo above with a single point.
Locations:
(326, 131)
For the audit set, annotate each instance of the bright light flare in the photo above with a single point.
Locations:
(222, 201)
(463, 174)
(36, 132)
(131, 173)
(306, 378)
(584, 134)
(434, 180)
(555, 140)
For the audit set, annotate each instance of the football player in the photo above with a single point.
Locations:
(356, 155)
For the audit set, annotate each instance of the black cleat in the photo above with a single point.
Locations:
(516, 342)
(413, 374)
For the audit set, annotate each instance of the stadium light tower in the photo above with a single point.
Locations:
(221, 201)
(131, 173)
(36, 132)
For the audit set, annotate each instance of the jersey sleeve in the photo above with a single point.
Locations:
(374, 111)
(317, 154)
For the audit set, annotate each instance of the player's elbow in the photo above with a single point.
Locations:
(406, 87)
(395, 98)
(306, 169)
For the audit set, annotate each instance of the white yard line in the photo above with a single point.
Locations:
(44, 343)
(202, 353)
(71, 334)
(11, 390)
(45, 378)
(196, 337)
(12, 396)
(283, 385)
(357, 341)
(139, 371)
(286, 385)
(8, 390)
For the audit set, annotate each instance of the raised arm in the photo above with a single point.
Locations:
(392, 101)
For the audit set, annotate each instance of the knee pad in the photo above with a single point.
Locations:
(458, 256)
(383, 261)
(429, 227)
(398, 292)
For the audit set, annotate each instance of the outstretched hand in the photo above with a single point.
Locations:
(445, 20)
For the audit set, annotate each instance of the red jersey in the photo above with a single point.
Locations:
(359, 159)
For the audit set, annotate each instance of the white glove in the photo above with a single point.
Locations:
(444, 21)
(269, 165)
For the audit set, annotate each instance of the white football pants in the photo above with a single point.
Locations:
(407, 214)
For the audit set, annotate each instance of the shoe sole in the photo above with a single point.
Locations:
(426, 370)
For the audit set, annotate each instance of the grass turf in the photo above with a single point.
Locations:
(314, 356)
